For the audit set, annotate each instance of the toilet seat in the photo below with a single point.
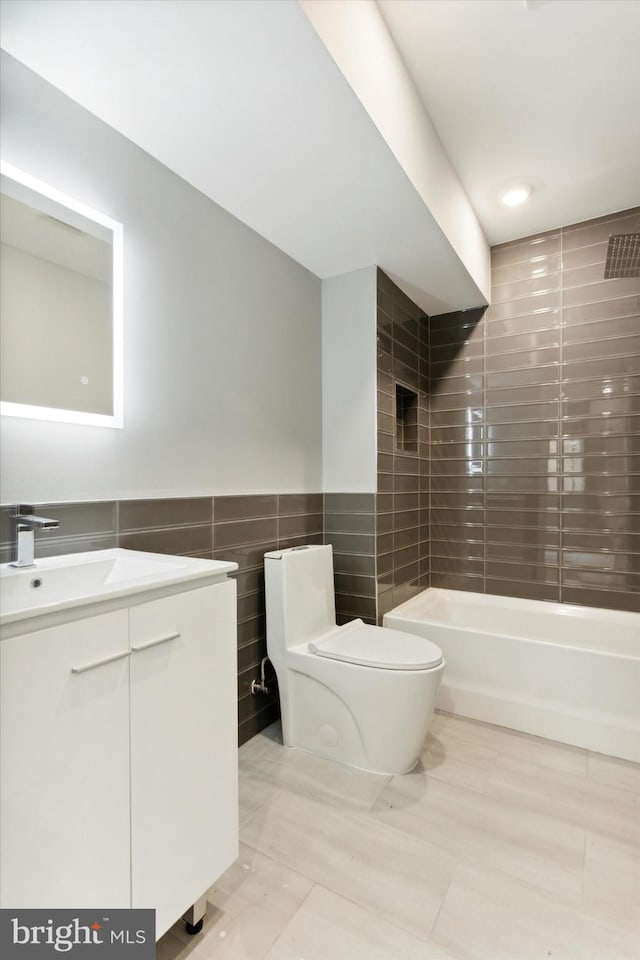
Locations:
(368, 646)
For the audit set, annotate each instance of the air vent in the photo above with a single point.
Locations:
(623, 256)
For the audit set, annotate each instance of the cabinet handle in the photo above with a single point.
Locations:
(100, 663)
(139, 647)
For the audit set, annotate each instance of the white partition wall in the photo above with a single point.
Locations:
(349, 382)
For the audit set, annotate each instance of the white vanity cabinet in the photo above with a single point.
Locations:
(119, 755)
(184, 755)
(64, 756)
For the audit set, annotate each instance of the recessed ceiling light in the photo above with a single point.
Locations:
(514, 196)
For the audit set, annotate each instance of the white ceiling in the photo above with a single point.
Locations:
(546, 92)
(242, 100)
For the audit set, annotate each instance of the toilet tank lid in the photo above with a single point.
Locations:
(279, 554)
(369, 646)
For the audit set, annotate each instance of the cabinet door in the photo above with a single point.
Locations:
(184, 793)
(65, 766)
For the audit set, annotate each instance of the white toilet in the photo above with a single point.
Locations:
(359, 694)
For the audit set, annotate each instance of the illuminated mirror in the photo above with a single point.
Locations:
(60, 306)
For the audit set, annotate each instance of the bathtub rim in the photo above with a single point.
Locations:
(593, 727)
(404, 612)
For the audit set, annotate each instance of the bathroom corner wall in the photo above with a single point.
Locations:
(535, 427)
(402, 511)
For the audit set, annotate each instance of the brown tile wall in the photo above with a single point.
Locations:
(244, 529)
(402, 547)
(350, 526)
(240, 529)
(457, 508)
(83, 526)
(535, 427)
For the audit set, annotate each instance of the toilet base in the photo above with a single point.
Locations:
(354, 766)
(373, 720)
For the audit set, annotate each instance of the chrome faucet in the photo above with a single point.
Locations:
(26, 522)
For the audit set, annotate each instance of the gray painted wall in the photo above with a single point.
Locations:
(222, 330)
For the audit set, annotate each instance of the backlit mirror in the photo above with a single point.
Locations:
(60, 306)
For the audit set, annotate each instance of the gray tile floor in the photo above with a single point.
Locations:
(498, 845)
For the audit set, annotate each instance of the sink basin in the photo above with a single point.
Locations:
(58, 583)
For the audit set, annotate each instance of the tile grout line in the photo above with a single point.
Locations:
(291, 918)
(213, 527)
(584, 866)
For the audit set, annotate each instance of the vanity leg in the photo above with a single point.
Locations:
(194, 917)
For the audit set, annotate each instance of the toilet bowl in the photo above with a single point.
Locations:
(360, 694)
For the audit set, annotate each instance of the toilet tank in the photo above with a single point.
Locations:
(299, 595)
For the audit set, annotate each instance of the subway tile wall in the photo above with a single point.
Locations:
(350, 527)
(402, 543)
(240, 529)
(237, 528)
(457, 481)
(535, 427)
(244, 529)
(83, 526)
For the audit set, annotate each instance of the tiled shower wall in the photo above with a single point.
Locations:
(535, 427)
(402, 545)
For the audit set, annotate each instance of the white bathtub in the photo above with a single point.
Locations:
(564, 672)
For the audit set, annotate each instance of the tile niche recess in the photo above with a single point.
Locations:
(406, 419)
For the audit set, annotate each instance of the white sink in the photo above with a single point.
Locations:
(59, 583)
